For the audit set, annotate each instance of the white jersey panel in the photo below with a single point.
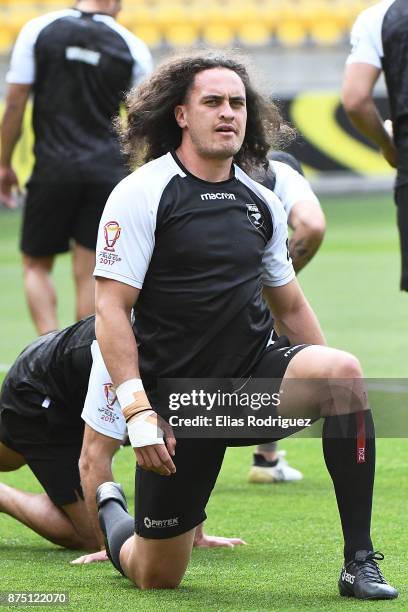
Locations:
(143, 61)
(126, 235)
(101, 409)
(291, 187)
(22, 65)
(277, 265)
(366, 35)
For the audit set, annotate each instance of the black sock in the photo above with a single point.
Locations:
(117, 526)
(260, 461)
(353, 481)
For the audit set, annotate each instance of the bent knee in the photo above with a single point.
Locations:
(346, 365)
(150, 577)
(155, 581)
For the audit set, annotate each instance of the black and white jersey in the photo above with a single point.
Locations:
(200, 252)
(380, 37)
(80, 65)
(289, 185)
(54, 368)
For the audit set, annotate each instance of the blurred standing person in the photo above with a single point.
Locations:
(78, 63)
(379, 45)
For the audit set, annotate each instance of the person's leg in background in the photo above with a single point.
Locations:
(40, 292)
(45, 233)
(269, 465)
(83, 264)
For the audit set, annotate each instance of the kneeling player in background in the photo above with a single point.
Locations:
(40, 425)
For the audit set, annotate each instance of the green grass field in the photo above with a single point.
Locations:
(293, 555)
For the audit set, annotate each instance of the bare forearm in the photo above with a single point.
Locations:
(301, 326)
(91, 478)
(118, 344)
(366, 118)
(10, 131)
(302, 247)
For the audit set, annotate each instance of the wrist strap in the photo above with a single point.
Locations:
(132, 398)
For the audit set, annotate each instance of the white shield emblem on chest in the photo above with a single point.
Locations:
(254, 216)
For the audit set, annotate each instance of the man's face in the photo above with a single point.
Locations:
(213, 118)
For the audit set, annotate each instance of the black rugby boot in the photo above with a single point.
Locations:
(361, 578)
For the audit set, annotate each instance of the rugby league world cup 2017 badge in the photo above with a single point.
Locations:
(112, 231)
(110, 394)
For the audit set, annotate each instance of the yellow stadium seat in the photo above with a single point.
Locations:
(139, 16)
(240, 13)
(254, 33)
(326, 32)
(291, 33)
(149, 33)
(181, 34)
(218, 34)
(170, 15)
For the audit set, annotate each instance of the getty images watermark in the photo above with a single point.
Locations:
(226, 408)
(272, 408)
(219, 400)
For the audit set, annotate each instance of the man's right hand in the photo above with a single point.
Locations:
(8, 180)
(157, 457)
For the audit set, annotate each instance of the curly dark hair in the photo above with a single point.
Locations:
(151, 129)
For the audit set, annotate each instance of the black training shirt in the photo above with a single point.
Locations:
(80, 65)
(200, 252)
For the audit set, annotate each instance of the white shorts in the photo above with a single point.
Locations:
(101, 409)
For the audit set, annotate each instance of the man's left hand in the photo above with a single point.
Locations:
(207, 541)
(91, 558)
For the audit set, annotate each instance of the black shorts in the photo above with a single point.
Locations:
(51, 451)
(401, 199)
(169, 506)
(57, 212)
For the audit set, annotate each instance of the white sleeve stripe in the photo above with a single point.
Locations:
(366, 35)
(143, 63)
(22, 66)
(291, 187)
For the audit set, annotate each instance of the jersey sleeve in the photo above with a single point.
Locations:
(291, 187)
(101, 409)
(277, 264)
(22, 64)
(126, 234)
(143, 61)
(366, 42)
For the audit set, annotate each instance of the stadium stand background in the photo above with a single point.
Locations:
(299, 47)
(214, 22)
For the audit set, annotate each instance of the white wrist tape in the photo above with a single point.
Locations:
(125, 391)
(143, 430)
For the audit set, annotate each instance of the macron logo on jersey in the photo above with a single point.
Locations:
(218, 196)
